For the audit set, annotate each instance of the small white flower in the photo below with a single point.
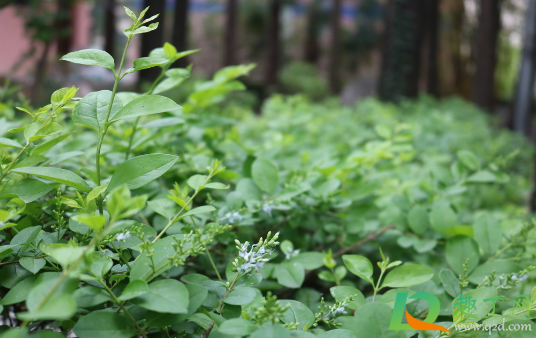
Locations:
(523, 278)
(514, 276)
(339, 310)
(123, 236)
(501, 277)
(233, 217)
(267, 209)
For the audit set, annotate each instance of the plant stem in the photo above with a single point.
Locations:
(105, 127)
(180, 211)
(213, 265)
(377, 287)
(140, 329)
(207, 332)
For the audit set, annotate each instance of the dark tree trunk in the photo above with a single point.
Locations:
(486, 51)
(432, 23)
(311, 40)
(525, 82)
(64, 26)
(272, 61)
(109, 27)
(401, 57)
(180, 29)
(154, 39)
(335, 48)
(229, 42)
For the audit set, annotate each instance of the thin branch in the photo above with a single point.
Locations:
(370, 237)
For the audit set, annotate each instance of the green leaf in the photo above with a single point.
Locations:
(265, 175)
(271, 331)
(95, 222)
(32, 264)
(337, 333)
(19, 292)
(25, 237)
(92, 109)
(237, 327)
(174, 77)
(28, 190)
(359, 266)
(5, 142)
(90, 296)
(370, 320)
(104, 324)
(240, 296)
(458, 250)
(65, 254)
(141, 269)
(297, 313)
(49, 144)
(290, 274)
(488, 233)
(145, 63)
(36, 130)
(167, 296)
(442, 216)
(310, 260)
(57, 175)
(197, 295)
(468, 159)
(407, 275)
(342, 292)
(199, 210)
(481, 308)
(134, 289)
(500, 267)
(91, 57)
(59, 305)
(145, 105)
(140, 170)
(418, 220)
(58, 308)
(197, 181)
(482, 177)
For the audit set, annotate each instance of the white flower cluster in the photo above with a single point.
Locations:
(123, 236)
(267, 209)
(338, 308)
(253, 257)
(232, 217)
(520, 279)
(291, 253)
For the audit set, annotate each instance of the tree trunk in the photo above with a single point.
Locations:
(335, 48)
(432, 18)
(486, 51)
(401, 57)
(154, 39)
(109, 27)
(63, 25)
(525, 82)
(272, 62)
(311, 40)
(229, 42)
(180, 29)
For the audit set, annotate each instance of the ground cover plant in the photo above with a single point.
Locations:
(128, 214)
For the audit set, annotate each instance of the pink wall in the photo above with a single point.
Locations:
(14, 42)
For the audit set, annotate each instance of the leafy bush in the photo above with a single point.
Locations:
(118, 219)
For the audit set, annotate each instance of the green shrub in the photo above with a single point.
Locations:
(117, 217)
